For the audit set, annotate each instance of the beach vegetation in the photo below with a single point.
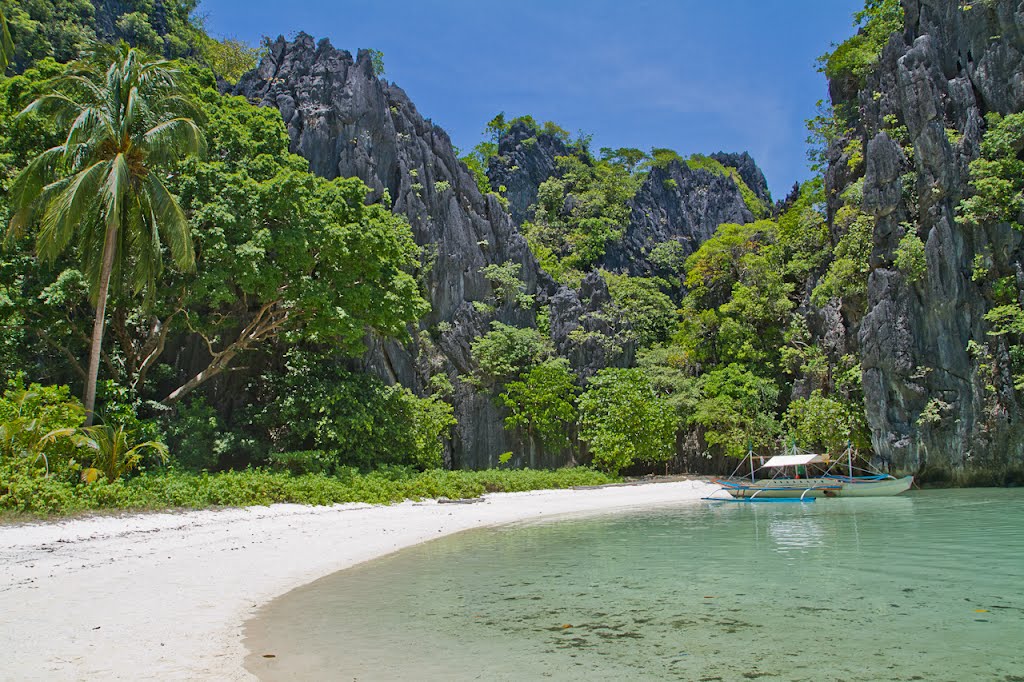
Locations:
(542, 402)
(24, 491)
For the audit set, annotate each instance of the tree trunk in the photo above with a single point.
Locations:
(109, 248)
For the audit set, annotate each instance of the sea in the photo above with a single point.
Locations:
(925, 586)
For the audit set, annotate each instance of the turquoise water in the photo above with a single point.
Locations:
(926, 586)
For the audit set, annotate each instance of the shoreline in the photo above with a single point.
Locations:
(165, 595)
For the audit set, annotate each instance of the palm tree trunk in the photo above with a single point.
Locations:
(109, 248)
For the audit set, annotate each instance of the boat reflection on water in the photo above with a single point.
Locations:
(796, 534)
(789, 529)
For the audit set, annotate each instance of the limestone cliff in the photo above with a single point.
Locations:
(348, 122)
(676, 203)
(921, 118)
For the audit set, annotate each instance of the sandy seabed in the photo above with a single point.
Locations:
(164, 595)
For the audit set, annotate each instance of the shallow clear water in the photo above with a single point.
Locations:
(929, 585)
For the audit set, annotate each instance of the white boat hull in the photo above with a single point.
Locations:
(817, 487)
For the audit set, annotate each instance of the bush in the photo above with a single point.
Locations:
(357, 418)
(24, 491)
(910, 257)
(37, 424)
(624, 421)
(506, 351)
(195, 435)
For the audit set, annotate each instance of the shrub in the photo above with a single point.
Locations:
(24, 491)
(910, 257)
(506, 351)
(37, 423)
(624, 421)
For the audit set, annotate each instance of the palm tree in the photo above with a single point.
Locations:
(100, 188)
(113, 451)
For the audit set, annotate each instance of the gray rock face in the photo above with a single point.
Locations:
(749, 172)
(347, 122)
(939, 79)
(525, 159)
(675, 203)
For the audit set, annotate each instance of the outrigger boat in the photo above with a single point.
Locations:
(783, 487)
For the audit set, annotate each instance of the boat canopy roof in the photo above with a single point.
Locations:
(793, 460)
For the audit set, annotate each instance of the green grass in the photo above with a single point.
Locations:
(23, 492)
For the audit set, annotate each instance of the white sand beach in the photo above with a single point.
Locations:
(164, 595)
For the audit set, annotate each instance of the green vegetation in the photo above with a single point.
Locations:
(25, 490)
(569, 237)
(100, 189)
(67, 29)
(6, 44)
(997, 177)
(701, 162)
(542, 402)
(506, 351)
(234, 377)
(854, 57)
(909, 257)
(623, 420)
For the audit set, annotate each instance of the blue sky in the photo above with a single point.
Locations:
(694, 76)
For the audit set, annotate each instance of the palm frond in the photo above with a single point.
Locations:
(78, 79)
(64, 212)
(179, 106)
(27, 187)
(172, 223)
(115, 187)
(142, 245)
(55, 106)
(173, 140)
(90, 126)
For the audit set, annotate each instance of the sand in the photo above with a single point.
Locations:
(164, 595)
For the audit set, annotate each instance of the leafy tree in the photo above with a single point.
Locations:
(377, 59)
(803, 231)
(910, 257)
(1008, 321)
(737, 410)
(506, 351)
(624, 421)
(629, 158)
(506, 280)
(282, 255)
(356, 418)
(101, 188)
(135, 29)
(713, 269)
(67, 29)
(229, 58)
(579, 212)
(847, 275)
(854, 57)
(826, 423)
(661, 157)
(639, 304)
(542, 402)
